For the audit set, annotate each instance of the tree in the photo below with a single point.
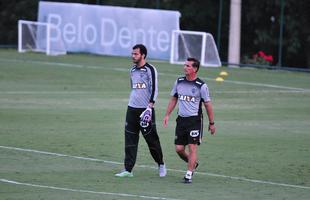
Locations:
(261, 25)
(11, 11)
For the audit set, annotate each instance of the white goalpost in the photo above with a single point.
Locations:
(195, 44)
(36, 36)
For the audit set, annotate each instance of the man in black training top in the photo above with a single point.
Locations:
(140, 114)
(190, 92)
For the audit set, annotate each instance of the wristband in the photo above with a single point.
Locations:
(211, 123)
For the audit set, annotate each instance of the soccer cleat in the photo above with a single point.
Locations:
(187, 180)
(124, 174)
(188, 177)
(162, 170)
(196, 166)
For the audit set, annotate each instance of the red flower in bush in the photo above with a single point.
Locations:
(261, 56)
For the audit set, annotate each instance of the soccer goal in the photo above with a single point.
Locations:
(195, 44)
(36, 36)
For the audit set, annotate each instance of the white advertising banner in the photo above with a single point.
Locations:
(110, 30)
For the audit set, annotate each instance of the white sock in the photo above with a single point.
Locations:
(188, 174)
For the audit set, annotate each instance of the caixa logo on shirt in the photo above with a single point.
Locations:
(139, 86)
(186, 98)
(194, 133)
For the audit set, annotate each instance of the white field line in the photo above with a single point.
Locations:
(115, 92)
(260, 91)
(83, 191)
(267, 85)
(152, 167)
(58, 92)
(49, 92)
(254, 84)
(174, 75)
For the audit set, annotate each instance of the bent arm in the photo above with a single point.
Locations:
(154, 85)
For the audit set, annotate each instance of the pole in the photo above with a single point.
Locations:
(234, 33)
(281, 33)
(219, 25)
(157, 4)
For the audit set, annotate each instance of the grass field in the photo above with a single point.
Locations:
(62, 120)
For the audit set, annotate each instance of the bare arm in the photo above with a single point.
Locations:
(171, 105)
(209, 109)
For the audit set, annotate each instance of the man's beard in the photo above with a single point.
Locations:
(136, 61)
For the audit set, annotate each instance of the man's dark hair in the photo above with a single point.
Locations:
(142, 48)
(196, 63)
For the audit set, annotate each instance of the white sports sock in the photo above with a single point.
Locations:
(188, 174)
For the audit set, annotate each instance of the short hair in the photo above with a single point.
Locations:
(142, 48)
(196, 63)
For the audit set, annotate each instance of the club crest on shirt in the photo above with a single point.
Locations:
(186, 98)
(194, 90)
(139, 86)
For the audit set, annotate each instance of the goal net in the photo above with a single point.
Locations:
(199, 45)
(36, 36)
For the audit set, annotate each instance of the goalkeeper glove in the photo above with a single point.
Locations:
(146, 115)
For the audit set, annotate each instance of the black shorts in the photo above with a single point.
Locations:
(189, 130)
